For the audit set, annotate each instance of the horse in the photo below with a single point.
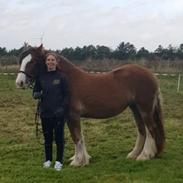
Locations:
(104, 95)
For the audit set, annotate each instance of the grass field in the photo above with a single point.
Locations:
(108, 142)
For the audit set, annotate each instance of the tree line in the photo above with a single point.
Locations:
(123, 51)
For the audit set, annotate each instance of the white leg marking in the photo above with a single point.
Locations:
(138, 147)
(149, 150)
(81, 156)
(21, 78)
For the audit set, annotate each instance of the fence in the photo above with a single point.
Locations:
(179, 82)
(174, 70)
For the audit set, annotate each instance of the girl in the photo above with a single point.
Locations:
(52, 90)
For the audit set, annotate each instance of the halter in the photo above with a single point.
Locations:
(28, 75)
(31, 78)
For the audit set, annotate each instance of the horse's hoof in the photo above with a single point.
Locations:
(132, 155)
(143, 157)
(79, 162)
(72, 158)
(75, 163)
(88, 156)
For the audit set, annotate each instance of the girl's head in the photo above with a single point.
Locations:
(51, 61)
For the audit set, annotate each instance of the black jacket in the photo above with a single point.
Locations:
(52, 89)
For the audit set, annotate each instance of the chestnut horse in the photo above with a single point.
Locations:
(105, 95)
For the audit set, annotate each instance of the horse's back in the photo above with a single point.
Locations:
(129, 69)
(135, 75)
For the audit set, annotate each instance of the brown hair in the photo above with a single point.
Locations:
(51, 53)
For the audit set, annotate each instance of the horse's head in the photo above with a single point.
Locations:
(31, 64)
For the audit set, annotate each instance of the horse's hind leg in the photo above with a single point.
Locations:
(141, 133)
(81, 156)
(150, 150)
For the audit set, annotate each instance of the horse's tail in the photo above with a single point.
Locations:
(159, 125)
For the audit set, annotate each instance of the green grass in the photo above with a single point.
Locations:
(108, 142)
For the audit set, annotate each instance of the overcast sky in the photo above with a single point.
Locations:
(71, 23)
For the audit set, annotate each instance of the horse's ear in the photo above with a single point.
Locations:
(26, 45)
(40, 47)
(40, 50)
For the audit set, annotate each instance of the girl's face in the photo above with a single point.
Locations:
(51, 62)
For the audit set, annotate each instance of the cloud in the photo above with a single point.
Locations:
(70, 23)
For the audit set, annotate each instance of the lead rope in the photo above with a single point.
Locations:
(37, 123)
(37, 118)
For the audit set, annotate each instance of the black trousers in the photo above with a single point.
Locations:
(53, 127)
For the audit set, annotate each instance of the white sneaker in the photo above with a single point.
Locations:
(58, 165)
(47, 164)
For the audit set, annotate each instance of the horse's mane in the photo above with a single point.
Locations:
(64, 64)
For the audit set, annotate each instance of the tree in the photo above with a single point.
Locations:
(159, 51)
(142, 53)
(166, 53)
(78, 53)
(68, 53)
(125, 51)
(103, 52)
(90, 51)
(3, 51)
(180, 51)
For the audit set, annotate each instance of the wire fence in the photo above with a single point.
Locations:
(173, 73)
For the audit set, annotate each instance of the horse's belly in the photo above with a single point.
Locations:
(103, 111)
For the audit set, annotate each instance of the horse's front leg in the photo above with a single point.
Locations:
(81, 157)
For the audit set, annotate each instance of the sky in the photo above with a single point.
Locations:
(70, 23)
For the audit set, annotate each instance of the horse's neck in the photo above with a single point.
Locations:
(68, 68)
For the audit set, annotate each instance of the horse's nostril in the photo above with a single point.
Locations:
(21, 83)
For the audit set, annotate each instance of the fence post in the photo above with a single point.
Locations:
(178, 83)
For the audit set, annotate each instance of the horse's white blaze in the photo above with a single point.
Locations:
(138, 147)
(150, 149)
(21, 78)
